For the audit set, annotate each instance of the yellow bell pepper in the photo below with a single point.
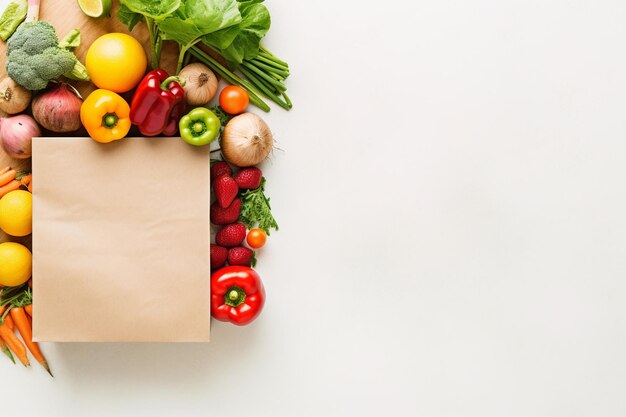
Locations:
(105, 115)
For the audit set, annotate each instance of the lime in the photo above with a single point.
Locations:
(95, 8)
(15, 264)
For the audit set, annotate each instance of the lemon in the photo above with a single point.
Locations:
(15, 264)
(16, 213)
(95, 8)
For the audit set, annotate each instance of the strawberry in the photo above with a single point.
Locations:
(218, 256)
(220, 168)
(249, 178)
(231, 235)
(242, 256)
(226, 215)
(225, 189)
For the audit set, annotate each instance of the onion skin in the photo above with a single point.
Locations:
(200, 84)
(13, 97)
(16, 134)
(58, 108)
(247, 140)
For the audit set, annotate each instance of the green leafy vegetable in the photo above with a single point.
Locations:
(129, 18)
(243, 40)
(12, 13)
(222, 115)
(256, 210)
(154, 9)
(196, 19)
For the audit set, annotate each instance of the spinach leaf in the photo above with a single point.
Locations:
(196, 18)
(242, 41)
(154, 9)
(128, 17)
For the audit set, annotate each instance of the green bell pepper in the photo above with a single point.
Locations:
(199, 127)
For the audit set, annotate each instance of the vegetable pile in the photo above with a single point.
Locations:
(219, 40)
(230, 29)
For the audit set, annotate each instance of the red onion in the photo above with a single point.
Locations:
(16, 134)
(58, 108)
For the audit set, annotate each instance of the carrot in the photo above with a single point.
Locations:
(26, 179)
(7, 318)
(21, 322)
(6, 351)
(7, 175)
(5, 169)
(9, 323)
(11, 186)
(14, 343)
(29, 309)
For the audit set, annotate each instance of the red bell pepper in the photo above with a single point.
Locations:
(158, 104)
(237, 294)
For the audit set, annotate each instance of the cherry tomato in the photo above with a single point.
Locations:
(234, 99)
(256, 238)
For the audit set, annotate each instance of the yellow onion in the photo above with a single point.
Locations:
(246, 140)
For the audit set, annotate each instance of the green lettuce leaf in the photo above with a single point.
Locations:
(12, 13)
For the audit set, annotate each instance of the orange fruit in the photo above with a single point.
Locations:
(15, 264)
(16, 213)
(116, 62)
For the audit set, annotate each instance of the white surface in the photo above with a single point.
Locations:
(452, 202)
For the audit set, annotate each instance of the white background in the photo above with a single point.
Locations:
(452, 205)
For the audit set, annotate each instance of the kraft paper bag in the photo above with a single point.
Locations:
(120, 241)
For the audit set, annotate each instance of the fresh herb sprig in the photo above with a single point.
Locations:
(256, 210)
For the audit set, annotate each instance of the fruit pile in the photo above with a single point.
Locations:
(16, 203)
(236, 212)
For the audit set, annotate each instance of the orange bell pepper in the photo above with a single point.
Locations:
(106, 116)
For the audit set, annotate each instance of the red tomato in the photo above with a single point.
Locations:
(234, 99)
(256, 238)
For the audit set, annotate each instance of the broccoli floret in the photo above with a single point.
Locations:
(33, 37)
(34, 56)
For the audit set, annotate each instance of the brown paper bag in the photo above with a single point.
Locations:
(120, 241)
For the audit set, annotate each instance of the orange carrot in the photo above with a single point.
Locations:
(7, 175)
(26, 179)
(29, 309)
(5, 169)
(11, 186)
(5, 349)
(7, 319)
(21, 322)
(14, 343)
(9, 323)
